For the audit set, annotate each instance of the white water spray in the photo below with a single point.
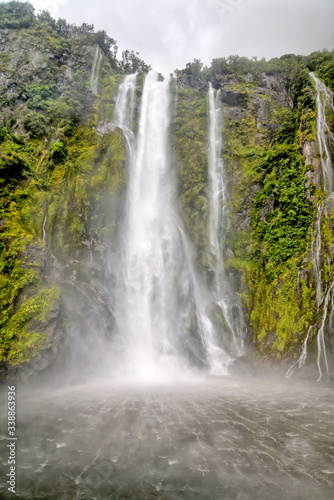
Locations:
(124, 110)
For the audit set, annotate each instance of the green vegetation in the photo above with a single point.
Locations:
(56, 172)
(263, 146)
(275, 252)
(283, 230)
(63, 176)
(189, 133)
(35, 123)
(18, 343)
(63, 36)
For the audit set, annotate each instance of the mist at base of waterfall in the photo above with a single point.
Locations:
(201, 438)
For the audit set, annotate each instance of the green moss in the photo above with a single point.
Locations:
(272, 250)
(18, 344)
(281, 313)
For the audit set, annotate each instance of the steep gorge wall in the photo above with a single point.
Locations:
(62, 195)
(63, 169)
(275, 184)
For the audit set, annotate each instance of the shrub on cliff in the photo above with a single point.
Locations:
(35, 123)
(58, 151)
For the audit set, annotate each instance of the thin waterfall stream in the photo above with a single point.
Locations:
(224, 294)
(96, 67)
(325, 141)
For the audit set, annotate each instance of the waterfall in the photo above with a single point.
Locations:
(325, 140)
(316, 255)
(303, 356)
(321, 338)
(160, 302)
(44, 222)
(223, 292)
(324, 136)
(124, 109)
(215, 167)
(96, 67)
(325, 143)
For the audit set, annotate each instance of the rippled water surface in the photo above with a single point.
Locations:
(214, 438)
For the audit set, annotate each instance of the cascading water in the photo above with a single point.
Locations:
(216, 186)
(316, 255)
(325, 143)
(160, 303)
(96, 67)
(324, 135)
(125, 102)
(303, 355)
(325, 140)
(224, 295)
(44, 222)
(322, 356)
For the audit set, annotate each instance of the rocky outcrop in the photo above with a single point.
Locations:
(24, 60)
(280, 87)
(233, 98)
(191, 82)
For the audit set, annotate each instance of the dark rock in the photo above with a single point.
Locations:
(329, 205)
(232, 98)
(191, 82)
(266, 210)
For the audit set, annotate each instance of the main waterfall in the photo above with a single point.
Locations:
(160, 302)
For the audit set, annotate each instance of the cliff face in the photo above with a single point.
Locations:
(281, 222)
(62, 185)
(63, 179)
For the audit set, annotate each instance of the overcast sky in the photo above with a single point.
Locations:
(170, 33)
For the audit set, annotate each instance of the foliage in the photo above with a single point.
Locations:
(131, 63)
(16, 15)
(35, 123)
(14, 157)
(293, 69)
(274, 250)
(18, 344)
(189, 146)
(58, 151)
(282, 232)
